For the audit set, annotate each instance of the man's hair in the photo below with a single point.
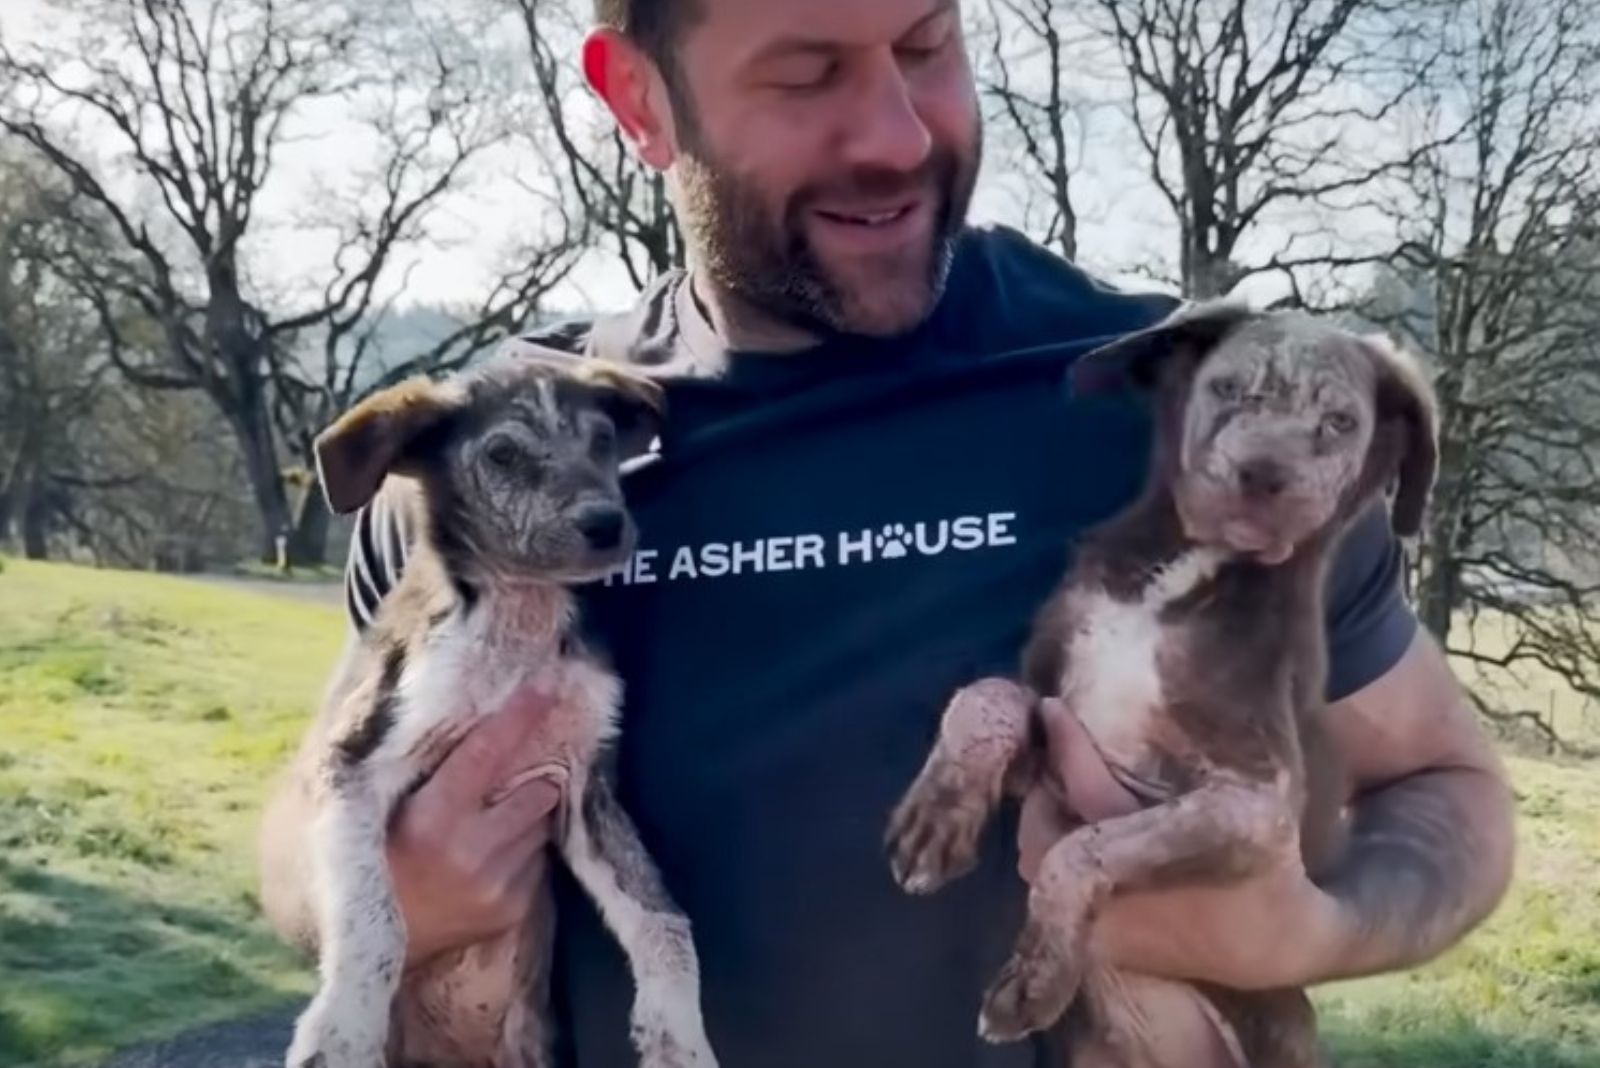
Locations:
(653, 25)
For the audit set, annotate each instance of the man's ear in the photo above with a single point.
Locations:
(635, 92)
(1139, 359)
(635, 405)
(356, 453)
(1404, 395)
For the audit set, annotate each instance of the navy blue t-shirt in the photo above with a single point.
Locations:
(833, 541)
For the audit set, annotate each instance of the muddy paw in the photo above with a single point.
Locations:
(1033, 990)
(661, 1050)
(323, 1040)
(672, 1038)
(933, 834)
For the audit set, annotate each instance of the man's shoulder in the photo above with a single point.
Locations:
(645, 335)
(1009, 292)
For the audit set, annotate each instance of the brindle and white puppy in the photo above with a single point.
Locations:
(508, 479)
(1188, 639)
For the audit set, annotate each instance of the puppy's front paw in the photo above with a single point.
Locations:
(1034, 988)
(934, 833)
(668, 1031)
(327, 1038)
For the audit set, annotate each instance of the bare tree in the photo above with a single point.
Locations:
(52, 366)
(1027, 53)
(624, 202)
(1246, 107)
(1498, 284)
(201, 98)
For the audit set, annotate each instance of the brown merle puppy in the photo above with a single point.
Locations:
(508, 478)
(1188, 639)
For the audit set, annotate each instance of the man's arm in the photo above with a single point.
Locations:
(1433, 840)
(1430, 855)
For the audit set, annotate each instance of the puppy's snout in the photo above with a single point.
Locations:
(602, 525)
(1262, 479)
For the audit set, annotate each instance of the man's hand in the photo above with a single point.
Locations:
(466, 849)
(1429, 858)
(463, 850)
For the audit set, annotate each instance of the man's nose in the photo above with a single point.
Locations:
(883, 129)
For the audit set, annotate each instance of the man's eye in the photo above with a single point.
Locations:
(808, 72)
(929, 40)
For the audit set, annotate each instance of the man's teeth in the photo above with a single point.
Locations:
(876, 218)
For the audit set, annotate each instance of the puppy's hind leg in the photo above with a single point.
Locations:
(362, 936)
(984, 739)
(603, 849)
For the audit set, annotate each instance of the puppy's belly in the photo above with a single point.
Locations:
(1112, 679)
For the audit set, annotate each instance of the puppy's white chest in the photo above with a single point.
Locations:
(473, 669)
(1113, 678)
(1113, 669)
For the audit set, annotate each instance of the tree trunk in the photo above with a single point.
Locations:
(1439, 573)
(260, 459)
(34, 513)
(1436, 596)
(309, 546)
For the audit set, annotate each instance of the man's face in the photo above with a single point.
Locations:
(827, 152)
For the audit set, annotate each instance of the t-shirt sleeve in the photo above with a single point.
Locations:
(1370, 621)
(376, 558)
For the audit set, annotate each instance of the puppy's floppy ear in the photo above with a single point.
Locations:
(1138, 359)
(1404, 395)
(359, 449)
(636, 405)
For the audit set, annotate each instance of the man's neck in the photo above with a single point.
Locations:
(742, 327)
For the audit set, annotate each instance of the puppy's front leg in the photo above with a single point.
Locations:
(362, 935)
(1222, 831)
(984, 738)
(603, 849)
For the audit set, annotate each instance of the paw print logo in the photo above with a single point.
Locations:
(894, 542)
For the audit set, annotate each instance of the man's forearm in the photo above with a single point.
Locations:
(1430, 857)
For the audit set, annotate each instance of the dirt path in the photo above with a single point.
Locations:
(330, 593)
(254, 1042)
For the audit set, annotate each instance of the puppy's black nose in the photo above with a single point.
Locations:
(1262, 479)
(601, 526)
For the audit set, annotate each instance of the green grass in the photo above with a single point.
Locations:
(141, 722)
(1523, 991)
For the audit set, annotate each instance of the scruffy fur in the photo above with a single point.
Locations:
(508, 480)
(1188, 639)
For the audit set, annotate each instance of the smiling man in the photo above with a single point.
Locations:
(871, 477)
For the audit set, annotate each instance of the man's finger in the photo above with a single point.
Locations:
(1080, 770)
(519, 816)
(1043, 823)
(480, 760)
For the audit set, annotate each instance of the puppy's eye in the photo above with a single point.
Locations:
(1338, 424)
(503, 454)
(1226, 389)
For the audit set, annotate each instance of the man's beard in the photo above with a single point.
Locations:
(770, 265)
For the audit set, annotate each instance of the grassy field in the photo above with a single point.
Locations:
(1524, 990)
(141, 719)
